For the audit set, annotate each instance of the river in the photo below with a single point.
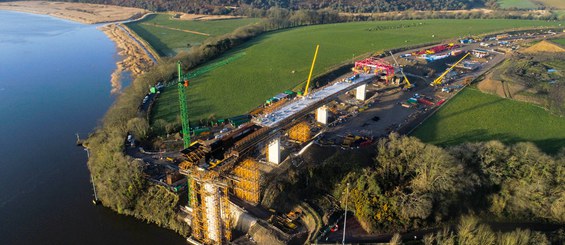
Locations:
(54, 82)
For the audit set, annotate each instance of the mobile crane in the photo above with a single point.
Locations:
(439, 80)
(407, 84)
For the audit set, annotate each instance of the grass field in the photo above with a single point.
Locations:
(521, 4)
(168, 36)
(531, 4)
(560, 41)
(558, 4)
(281, 60)
(474, 116)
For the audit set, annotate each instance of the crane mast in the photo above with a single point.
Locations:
(311, 70)
(181, 87)
(408, 84)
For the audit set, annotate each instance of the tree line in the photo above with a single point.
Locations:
(232, 6)
(470, 231)
(410, 185)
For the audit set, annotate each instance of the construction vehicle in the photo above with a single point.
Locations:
(407, 84)
(439, 80)
(311, 70)
(181, 87)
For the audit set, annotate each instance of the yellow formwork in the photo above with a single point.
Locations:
(247, 188)
(226, 215)
(197, 211)
(300, 132)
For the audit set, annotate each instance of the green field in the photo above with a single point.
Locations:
(167, 37)
(474, 116)
(521, 4)
(558, 4)
(280, 60)
(560, 41)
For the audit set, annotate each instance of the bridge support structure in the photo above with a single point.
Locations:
(322, 115)
(361, 92)
(274, 151)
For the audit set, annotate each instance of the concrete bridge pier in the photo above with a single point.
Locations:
(361, 92)
(322, 115)
(274, 151)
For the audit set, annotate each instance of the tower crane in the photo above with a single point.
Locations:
(439, 80)
(407, 84)
(311, 70)
(182, 84)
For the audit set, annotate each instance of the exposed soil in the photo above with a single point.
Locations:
(544, 46)
(135, 58)
(500, 88)
(80, 12)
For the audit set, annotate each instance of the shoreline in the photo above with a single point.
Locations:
(135, 58)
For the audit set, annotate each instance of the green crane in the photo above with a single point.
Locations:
(182, 85)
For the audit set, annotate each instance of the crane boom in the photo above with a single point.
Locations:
(439, 80)
(408, 84)
(181, 87)
(311, 70)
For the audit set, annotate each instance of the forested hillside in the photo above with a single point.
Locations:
(239, 6)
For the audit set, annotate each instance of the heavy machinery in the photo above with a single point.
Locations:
(407, 84)
(311, 70)
(374, 65)
(439, 80)
(182, 84)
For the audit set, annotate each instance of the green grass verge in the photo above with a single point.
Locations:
(475, 116)
(281, 60)
(165, 35)
(521, 4)
(560, 41)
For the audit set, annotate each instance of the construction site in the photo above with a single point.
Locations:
(223, 169)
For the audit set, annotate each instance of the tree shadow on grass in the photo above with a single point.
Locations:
(153, 40)
(549, 146)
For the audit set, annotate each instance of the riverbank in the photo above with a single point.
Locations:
(80, 12)
(135, 58)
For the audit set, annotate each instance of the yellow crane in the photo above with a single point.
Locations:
(439, 80)
(407, 84)
(311, 70)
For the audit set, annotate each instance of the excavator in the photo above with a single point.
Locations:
(439, 80)
(407, 84)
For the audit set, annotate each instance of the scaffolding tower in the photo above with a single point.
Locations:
(300, 132)
(246, 184)
(211, 217)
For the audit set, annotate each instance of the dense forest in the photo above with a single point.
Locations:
(239, 6)
(410, 185)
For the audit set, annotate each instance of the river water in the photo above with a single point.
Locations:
(54, 82)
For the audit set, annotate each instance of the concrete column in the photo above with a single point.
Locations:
(322, 115)
(274, 151)
(361, 92)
